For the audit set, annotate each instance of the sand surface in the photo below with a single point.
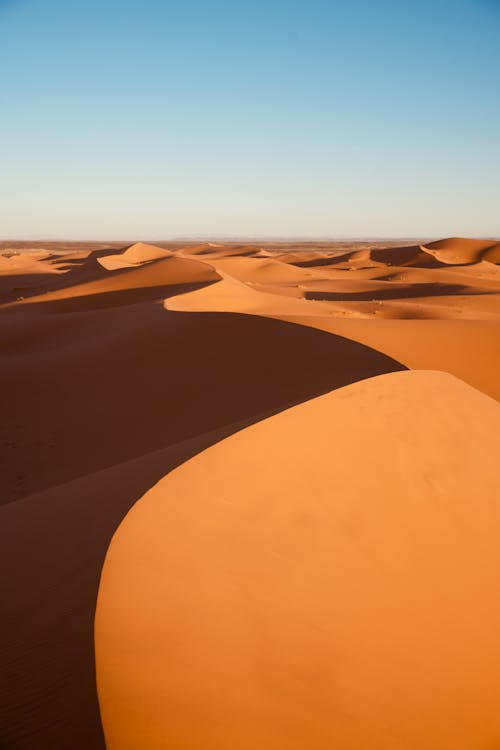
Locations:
(270, 593)
(120, 362)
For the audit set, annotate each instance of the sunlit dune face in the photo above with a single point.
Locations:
(326, 578)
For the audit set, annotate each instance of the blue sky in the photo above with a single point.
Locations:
(152, 120)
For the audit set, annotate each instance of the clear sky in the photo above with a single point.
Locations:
(331, 118)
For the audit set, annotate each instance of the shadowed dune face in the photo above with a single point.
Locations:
(152, 280)
(460, 250)
(453, 251)
(327, 578)
(16, 285)
(405, 256)
(53, 546)
(41, 277)
(152, 377)
(425, 313)
(23, 273)
(117, 387)
(119, 297)
(27, 275)
(394, 292)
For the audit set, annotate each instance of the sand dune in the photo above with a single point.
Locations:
(453, 251)
(202, 248)
(53, 545)
(25, 271)
(300, 257)
(118, 370)
(151, 281)
(135, 255)
(459, 250)
(467, 349)
(21, 261)
(406, 256)
(308, 603)
(439, 317)
(118, 365)
(261, 271)
(121, 388)
(231, 295)
(217, 250)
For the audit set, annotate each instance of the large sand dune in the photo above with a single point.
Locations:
(120, 362)
(327, 578)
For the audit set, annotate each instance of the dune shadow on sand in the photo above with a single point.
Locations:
(19, 285)
(157, 376)
(75, 271)
(415, 290)
(103, 402)
(119, 298)
(319, 262)
(391, 256)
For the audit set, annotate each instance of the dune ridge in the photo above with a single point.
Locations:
(135, 255)
(315, 604)
(460, 250)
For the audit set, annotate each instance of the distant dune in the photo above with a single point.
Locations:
(323, 577)
(135, 255)
(457, 250)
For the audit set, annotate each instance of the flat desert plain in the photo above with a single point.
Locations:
(250, 496)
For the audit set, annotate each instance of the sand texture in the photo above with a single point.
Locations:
(303, 436)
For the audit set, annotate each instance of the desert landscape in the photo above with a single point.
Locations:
(250, 496)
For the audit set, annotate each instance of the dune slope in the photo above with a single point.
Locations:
(77, 380)
(325, 578)
(135, 255)
(53, 546)
(148, 281)
(459, 250)
(99, 403)
(423, 312)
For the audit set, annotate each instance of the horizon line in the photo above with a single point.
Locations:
(246, 238)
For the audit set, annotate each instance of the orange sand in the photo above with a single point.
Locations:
(135, 255)
(327, 578)
(119, 364)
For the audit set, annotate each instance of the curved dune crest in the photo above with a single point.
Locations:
(463, 251)
(25, 271)
(232, 295)
(467, 349)
(135, 255)
(26, 263)
(448, 252)
(216, 250)
(299, 256)
(415, 255)
(492, 254)
(262, 271)
(149, 281)
(327, 578)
